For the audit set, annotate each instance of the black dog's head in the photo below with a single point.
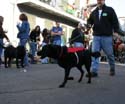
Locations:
(52, 51)
(10, 51)
(47, 51)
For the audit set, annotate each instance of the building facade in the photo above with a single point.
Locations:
(40, 12)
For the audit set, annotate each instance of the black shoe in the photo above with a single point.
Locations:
(93, 74)
(112, 72)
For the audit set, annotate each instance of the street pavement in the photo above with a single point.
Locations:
(38, 84)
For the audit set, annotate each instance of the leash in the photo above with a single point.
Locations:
(73, 39)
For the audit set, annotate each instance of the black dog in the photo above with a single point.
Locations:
(68, 60)
(11, 52)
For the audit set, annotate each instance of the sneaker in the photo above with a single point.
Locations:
(93, 74)
(112, 72)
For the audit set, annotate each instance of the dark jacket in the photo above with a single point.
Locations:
(34, 36)
(2, 33)
(77, 36)
(107, 24)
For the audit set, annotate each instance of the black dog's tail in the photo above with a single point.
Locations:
(96, 54)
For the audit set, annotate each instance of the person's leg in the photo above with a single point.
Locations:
(33, 48)
(96, 47)
(107, 46)
(23, 43)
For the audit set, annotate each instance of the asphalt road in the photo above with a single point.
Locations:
(39, 85)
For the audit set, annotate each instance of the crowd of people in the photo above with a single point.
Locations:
(103, 21)
(32, 37)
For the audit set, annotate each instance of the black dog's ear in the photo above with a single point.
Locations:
(96, 54)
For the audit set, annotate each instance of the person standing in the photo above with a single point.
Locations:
(104, 22)
(56, 33)
(23, 34)
(34, 41)
(46, 40)
(77, 37)
(2, 36)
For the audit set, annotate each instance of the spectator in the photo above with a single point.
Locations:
(46, 36)
(46, 40)
(23, 33)
(104, 22)
(56, 33)
(2, 36)
(77, 37)
(34, 41)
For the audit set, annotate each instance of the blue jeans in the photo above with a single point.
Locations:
(57, 42)
(78, 44)
(23, 43)
(106, 44)
(33, 46)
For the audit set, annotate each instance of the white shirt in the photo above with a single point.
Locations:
(100, 12)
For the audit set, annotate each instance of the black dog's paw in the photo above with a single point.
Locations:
(70, 78)
(61, 86)
(96, 54)
(79, 80)
(6, 66)
(9, 66)
(23, 66)
(89, 82)
(18, 67)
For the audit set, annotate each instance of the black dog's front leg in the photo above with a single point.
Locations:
(87, 66)
(82, 73)
(22, 62)
(17, 62)
(5, 63)
(9, 62)
(65, 78)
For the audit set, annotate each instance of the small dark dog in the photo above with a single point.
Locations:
(67, 60)
(11, 52)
